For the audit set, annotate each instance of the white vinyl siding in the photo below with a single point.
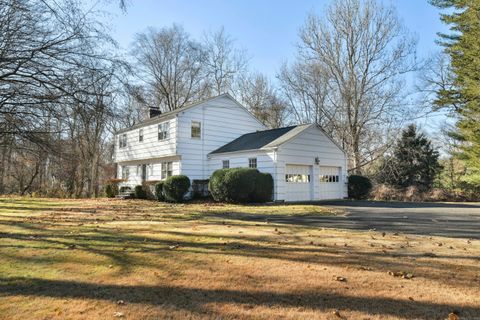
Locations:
(150, 147)
(222, 120)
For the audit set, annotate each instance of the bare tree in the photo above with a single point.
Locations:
(262, 99)
(224, 63)
(349, 75)
(170, 65)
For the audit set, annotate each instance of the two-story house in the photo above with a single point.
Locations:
(219, 133)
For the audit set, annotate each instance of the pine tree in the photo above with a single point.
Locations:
(463, 46)
(414, 162)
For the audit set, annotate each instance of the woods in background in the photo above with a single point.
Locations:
(65, 88)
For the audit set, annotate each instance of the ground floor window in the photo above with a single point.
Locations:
(329, 178)
(167, 170)
(125, 172)
(298, 178)
(226, 164)
(252, 163)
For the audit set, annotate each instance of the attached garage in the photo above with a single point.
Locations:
(298, 182)
(305, 163)
(330, 183)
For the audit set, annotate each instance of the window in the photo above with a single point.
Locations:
(140, 135)
(166, 170)
(226, 164)
(164, 130)
(122, 141)
(329, 178)
(298, 178)
(125, 172)
(252, 163)
(196, 129)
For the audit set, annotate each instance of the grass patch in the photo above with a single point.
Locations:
(134, 259)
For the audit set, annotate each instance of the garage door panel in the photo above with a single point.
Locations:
(331, 184)
(298, 182)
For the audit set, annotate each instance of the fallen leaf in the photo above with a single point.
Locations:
(336, 313)
(119, 314)
(453, 316)
(341, 279)
(411, 299)
(120, 302)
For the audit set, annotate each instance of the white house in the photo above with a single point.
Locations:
(219, 133)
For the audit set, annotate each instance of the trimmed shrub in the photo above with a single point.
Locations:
(111, 190)
(359, 187)
(216, 185)
(241, 185)
(139, 192)
(175, 187)
(263, 191)
(159, 191)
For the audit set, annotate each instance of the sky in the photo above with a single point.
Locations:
(266, 29)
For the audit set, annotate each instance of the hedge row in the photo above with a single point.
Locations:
(241, 185)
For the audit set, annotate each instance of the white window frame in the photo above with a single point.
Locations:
(125, 172)
(167, 170)
(122, 141)
(225, 164)
(163, 131)
(140, 135)
(196, 125)
(252, 163)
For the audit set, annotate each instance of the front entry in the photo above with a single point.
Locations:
(144, 172)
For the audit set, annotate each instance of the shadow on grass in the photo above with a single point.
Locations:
(196, 299)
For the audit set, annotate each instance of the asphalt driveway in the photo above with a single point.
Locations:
(459, 220)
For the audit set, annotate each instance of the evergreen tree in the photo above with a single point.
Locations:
(414, 162)
(463, 46)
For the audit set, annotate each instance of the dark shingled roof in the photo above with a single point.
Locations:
(254, 140)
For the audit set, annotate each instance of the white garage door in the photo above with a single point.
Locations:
(298, 184)
(331, 184)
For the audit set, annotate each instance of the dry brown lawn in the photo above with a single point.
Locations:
(110, 259)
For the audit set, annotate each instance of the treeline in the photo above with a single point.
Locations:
(65, 87)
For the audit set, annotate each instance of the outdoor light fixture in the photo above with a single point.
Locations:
(317, 160)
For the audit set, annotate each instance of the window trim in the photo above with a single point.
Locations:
(163, 131)
(125, 172)
(252, 163)
(122, 141)
(192, 129)
(165, 172)
(226, 164)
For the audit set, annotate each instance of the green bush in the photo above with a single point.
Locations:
(111, 190)
(216, 185)
(175, 187)
(241, 185)
(263, 191)
(139, 192)
(359, 187)
(159, 191)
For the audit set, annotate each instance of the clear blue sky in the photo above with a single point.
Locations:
(267, 29)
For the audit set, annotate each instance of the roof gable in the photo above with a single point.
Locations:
(169, 114)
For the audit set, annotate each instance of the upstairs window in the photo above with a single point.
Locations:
(140, 135)
(122, 141)
(252, 163)
(226, 164)
(196, 129)
(166, 170)
(164, 130)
